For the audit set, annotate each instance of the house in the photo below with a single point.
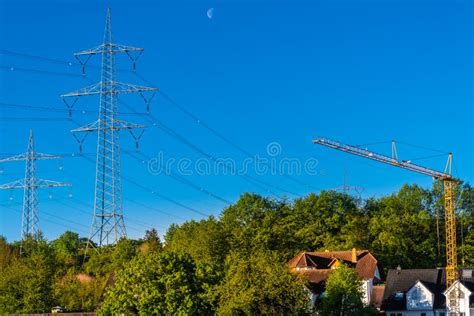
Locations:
(316, 267)
(423, 292)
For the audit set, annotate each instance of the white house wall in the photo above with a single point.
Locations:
(419, 298)
(367, 286)
(463, 302)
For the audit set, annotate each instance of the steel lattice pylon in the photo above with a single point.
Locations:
(108, 225)
(30, 184)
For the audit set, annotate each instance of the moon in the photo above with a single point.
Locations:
(210, 13)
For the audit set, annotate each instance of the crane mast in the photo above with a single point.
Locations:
(449, 184)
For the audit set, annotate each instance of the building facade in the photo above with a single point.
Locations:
(422, 292)
(317, 266)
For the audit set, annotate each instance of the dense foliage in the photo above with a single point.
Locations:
(343, 295)
(234, 264)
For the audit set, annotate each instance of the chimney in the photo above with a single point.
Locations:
(354, 255)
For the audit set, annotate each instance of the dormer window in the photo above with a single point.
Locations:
(399, 296)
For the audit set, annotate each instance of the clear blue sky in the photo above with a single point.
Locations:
(257, 72)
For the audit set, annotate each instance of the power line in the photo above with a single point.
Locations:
(129, 200)
(34, 119)
(183, 180)
(36, 57)
(155, 209)
(126, 199)
(84, 212)
(51, 60)
(155, 192)
(165, 197)
(215, 132)
(128, 218)
(179, 107)
(222, 137)
(46, 108)
(38, 71)
(254, 181)
(43, 219)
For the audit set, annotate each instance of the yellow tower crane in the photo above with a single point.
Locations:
(449, 184)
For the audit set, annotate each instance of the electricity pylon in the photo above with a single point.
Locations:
(347, 188)
(30, 184)
(108, 225)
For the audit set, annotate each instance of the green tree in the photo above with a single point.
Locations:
(26, 283)
(243, 221)
(261, 285)
(67, 248)
(466, 222)
(205, 241)
(77, 292)
(151, 242)
(110, 258)
(402, 229)
(156, 284)
(6, 253)
(256, 222)
(343, 294)
(320, 221)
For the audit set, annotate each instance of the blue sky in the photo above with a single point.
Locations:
(257, 72)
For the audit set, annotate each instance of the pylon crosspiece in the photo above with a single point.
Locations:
(30, 184)
(108, 224)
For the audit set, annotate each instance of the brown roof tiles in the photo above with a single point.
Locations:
(316, 266)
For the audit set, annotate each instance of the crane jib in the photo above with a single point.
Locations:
(381, 158)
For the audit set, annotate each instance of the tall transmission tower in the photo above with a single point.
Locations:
(347, 188)
(30, 184)
(108, 225)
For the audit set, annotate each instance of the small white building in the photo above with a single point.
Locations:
(422, 292)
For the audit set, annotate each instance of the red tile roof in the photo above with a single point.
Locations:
(377, 295)
(316, 266)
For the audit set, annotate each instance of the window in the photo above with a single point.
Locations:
(399, 296)
(452, 294)
(452, 303)
(415, 295)
(442, 314)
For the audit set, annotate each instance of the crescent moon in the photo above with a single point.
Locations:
(210, 13)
